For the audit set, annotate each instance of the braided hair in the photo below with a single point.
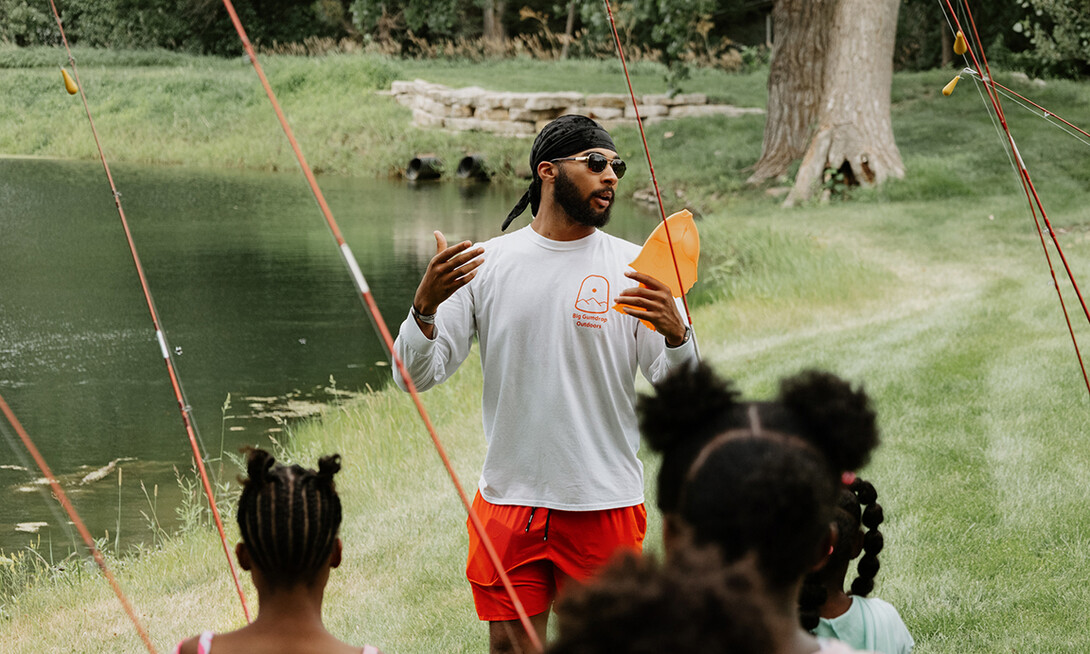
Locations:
(757, 477)
(851, 518)
(288, 517)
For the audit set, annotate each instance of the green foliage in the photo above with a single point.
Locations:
(405, 20)
(921, 24)
(24, 23)
(1060, 33)
(197, 26)
(673, 28)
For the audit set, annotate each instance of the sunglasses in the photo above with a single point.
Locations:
(598, 162)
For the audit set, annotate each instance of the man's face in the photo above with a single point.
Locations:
(586, 196)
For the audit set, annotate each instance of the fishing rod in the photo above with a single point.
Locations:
(62, 497)
(651, 167)
(183, 405)
(1032, 197)
(380, 327)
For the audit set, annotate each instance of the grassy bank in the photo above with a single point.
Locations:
(932, 291)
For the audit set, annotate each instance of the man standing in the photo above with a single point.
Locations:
(562, 487)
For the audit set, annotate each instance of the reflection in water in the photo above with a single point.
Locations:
(254, 299)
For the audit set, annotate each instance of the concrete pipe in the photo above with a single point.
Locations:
(424, 167)
(472, 167)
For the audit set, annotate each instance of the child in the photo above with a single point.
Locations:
(759, 480)
(691, 604)
(862, 622)
(288, 517)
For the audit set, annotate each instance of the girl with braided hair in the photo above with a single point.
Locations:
(861, 621)
(288, 517)
(759, 480)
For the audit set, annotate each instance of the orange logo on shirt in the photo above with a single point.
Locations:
(593, 295)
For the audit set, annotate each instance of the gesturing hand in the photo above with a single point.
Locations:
(450, 269)
(653, 302)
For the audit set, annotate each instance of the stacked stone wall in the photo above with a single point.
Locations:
(524, 114)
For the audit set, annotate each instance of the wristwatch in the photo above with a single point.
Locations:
(430, 319)
(684, 340)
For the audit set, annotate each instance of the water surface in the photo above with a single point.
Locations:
(253, 296)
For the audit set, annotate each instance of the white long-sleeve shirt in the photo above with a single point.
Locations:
(559, 367)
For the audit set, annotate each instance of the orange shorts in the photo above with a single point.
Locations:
(542, 548)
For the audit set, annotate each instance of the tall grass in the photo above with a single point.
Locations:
(931, 291)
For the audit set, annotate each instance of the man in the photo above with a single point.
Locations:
(562, 488)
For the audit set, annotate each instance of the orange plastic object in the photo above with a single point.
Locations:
(960, 46)
(69, 83)
(655, 258)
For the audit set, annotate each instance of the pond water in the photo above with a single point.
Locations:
(254, 299)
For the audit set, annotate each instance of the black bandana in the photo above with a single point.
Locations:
(563, 137)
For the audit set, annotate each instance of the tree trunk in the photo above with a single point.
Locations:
(855, 134)
(569, 28)
(494, 29)
(796, 80)
(947, 46)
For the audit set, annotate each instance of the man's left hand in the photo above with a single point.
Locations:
(654, 303)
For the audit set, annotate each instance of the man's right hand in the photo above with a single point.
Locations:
(450, 269)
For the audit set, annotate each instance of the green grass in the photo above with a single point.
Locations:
(931, 291)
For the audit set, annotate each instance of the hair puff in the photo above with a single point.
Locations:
(840, 421)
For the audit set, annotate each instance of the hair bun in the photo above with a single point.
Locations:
(706, 398)
(259, 464)
(840, 421)
(329, 466)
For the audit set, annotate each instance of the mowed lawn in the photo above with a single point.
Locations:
(933, 293)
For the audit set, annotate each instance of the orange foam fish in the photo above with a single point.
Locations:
(655, 258)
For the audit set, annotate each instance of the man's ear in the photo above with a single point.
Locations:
(335, 555)
(546, 170)
(243, 556)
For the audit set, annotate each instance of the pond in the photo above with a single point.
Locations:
(254, 299)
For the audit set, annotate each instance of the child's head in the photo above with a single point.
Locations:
(857, 508)
(288, 517)
(691, 604)
(757, 478)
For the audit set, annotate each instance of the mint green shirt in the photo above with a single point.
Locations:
(869, 624)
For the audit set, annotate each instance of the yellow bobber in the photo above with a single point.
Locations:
(960, 46)
(949, 88)
(69, 83)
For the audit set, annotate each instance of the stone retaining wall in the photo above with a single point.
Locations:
(524, 114)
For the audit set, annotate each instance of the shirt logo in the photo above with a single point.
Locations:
(593, 295)
(592, 302)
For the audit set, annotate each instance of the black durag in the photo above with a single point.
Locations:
(564, 137)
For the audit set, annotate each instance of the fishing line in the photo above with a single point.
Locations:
(380, 327)
(1050, 117)
(651, 167)
(183, 404)
(1028, 187)
(38, 487)
(62, 497)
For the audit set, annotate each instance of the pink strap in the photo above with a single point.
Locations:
(204, 643)
(370, 649)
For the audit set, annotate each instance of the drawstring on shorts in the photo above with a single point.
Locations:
(533, 511)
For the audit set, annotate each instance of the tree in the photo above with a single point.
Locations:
(493, 19)
(1060, 33)
(829, 94)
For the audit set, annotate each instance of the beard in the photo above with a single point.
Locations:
(580, 209)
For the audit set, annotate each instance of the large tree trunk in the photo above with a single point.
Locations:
(855, 135)
(796, 80)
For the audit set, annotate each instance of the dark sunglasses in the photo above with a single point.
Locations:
(597, 163)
